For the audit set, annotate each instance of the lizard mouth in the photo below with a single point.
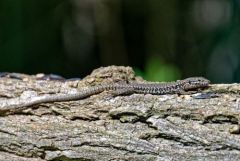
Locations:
(206, 84)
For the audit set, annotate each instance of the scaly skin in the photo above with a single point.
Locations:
(178, 87)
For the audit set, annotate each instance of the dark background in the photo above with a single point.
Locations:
(160, 39)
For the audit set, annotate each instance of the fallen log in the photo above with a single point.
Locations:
(201, 126)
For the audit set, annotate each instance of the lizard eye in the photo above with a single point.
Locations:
(195, 81)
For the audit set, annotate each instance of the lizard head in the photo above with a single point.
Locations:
(194, 82)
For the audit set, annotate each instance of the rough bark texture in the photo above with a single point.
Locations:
(134, 127)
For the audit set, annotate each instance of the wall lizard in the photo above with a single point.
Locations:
(177, 87)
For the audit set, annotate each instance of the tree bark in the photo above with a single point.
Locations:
(202, 126)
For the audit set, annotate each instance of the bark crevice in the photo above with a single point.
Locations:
(132, 127)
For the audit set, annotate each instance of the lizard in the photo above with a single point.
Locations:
(184, 86)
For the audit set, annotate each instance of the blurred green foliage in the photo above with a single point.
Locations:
(157, 70)
(163, 40)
